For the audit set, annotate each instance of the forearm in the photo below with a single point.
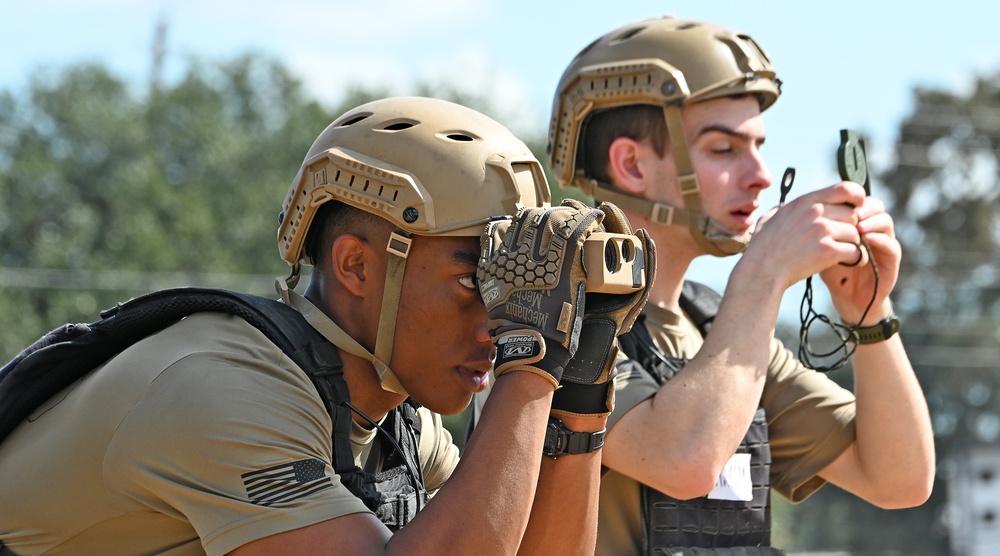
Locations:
(717, 393)
(703, 412)
(485, 504)
(894, 447)
(564, 515)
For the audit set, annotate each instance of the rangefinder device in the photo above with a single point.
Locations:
(614, 263)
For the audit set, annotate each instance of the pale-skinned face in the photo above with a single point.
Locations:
(442, 351)
(724, 138)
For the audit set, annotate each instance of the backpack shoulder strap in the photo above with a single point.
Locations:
(701, 303)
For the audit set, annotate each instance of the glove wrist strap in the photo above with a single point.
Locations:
(584, 400)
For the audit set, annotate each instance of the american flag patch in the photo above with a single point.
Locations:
(286, 483)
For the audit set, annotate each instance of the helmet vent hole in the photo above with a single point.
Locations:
(355, 120)
(461, 137)
(627, 35)
(398, 124)
(687, 26)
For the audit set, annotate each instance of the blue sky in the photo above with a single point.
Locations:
(844, 63)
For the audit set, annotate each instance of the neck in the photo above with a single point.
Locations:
(367, 394)
(666, 290)
(675, 250)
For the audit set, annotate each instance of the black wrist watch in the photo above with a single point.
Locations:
(879, 332)
(559, 440)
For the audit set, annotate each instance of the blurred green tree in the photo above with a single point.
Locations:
(105, 195)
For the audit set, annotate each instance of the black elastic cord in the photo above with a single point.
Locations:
(409, 470)
(848, 334)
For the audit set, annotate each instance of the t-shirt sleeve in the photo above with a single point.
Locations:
(810, 423)
(438, 453)
(236, 442)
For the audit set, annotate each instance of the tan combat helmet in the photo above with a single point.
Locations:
(430, 167)
(663, 62)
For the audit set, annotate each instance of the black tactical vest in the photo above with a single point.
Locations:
(703, 525)
(397, 492)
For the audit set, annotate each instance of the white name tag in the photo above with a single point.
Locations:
(734, 483)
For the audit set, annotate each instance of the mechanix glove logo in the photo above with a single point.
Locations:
(515, 346)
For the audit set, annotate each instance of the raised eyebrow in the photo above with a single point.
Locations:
(719, 128)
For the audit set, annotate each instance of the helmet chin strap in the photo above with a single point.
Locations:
(713, 237)
(723, 242)
(398, 248)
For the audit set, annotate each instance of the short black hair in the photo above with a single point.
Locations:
(635, 121)
(335, 218)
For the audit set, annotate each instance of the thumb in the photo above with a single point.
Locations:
(615, 220)
(763, 220)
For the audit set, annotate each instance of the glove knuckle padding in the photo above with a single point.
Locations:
(533, 284)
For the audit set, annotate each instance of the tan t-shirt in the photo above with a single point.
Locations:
(810, 422)
(180, 445)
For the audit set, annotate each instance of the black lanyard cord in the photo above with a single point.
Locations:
(848, 335)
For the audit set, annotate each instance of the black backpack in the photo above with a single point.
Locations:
(71, 351)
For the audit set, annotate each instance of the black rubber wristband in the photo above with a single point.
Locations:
(880, 332)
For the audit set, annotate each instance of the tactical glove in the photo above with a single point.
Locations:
(588, 380)
(532, 280)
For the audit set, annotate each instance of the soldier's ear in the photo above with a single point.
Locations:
(353, 263)
(625, 168)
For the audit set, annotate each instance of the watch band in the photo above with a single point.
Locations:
(560, 440)
(879, 332)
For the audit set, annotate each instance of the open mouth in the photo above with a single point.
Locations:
(476, 379)
(744, 218)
